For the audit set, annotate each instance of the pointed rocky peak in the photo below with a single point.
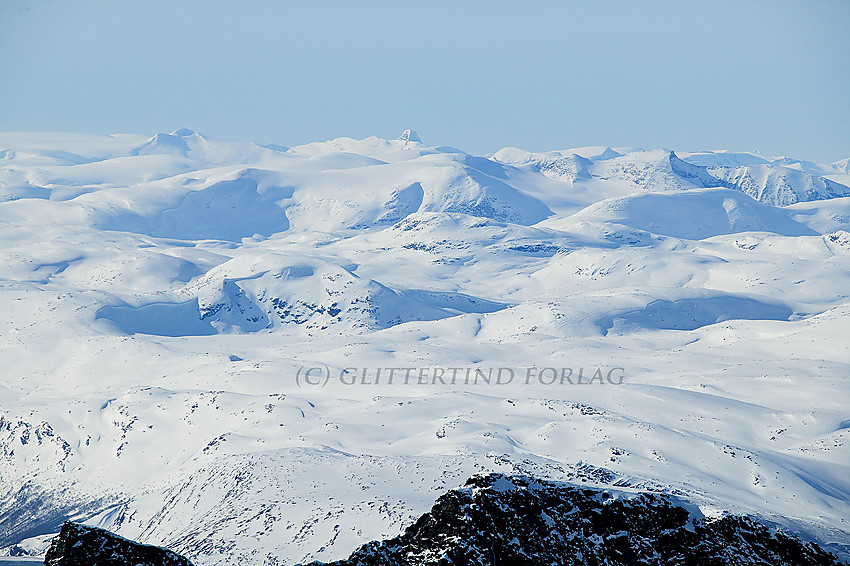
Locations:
(607, 154)
(409, 136)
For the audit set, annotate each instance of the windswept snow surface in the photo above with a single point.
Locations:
(179, 314)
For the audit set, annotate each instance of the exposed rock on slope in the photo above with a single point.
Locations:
(409, 135)
(272, 291)
(779, 186)
(495, 519)
(771, 184)
(557, 165)
(158, 306)
(81, 545)
(777, 183)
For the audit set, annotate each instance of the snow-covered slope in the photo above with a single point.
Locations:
(779, 182)
(780, 186)
(694, 215)
(257, 355)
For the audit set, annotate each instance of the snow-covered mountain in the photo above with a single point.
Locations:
(779, 182)
(260, 355)
(496, 519)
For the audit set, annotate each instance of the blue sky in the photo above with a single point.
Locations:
(772, 76)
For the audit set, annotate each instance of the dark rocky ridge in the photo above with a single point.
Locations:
(518, 521)
(81, 545)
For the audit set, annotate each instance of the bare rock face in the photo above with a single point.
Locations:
(520, 521)
(81, 545)
(500, 520)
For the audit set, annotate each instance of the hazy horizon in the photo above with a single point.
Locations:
(765, 76)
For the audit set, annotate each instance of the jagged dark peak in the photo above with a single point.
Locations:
(521, 521)
(83, 545)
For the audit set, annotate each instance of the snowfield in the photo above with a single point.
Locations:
(266, 355)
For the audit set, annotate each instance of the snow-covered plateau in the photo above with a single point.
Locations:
(265, 355)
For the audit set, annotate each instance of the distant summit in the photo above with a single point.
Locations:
(409, 135)
(164, 144)
(608, 154)
(183, 132)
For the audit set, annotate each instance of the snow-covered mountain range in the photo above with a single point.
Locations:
(265, 355)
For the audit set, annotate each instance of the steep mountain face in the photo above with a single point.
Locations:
(409, 136)
(769, 183)
(496, 519)
(659, 170)
(81, 545)
(779, 186)
(563, 166)
(780, 182)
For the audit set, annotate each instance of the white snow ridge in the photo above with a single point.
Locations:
(266, 355)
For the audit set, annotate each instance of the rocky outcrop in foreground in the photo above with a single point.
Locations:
(81, 545)
(518, 521)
